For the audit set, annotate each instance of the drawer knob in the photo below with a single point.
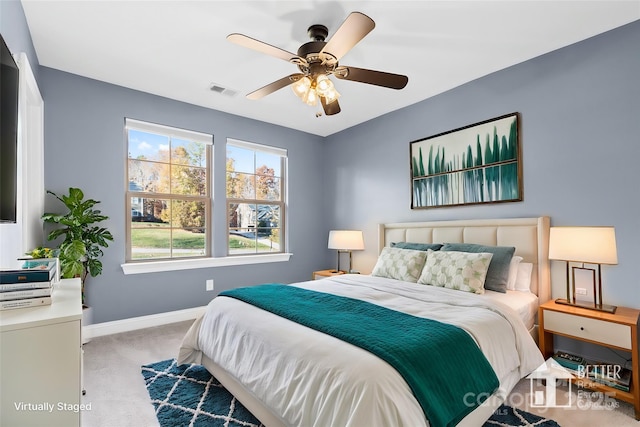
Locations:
(582, 328)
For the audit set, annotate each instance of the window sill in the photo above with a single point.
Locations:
(189, 264)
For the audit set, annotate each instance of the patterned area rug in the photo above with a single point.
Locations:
(187, 395)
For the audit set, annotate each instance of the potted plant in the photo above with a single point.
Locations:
(81, 249)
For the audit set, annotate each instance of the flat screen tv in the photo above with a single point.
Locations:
(8, 134)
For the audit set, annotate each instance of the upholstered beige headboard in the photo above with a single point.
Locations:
(530, 237)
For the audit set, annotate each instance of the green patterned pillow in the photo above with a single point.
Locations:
(464, 271)
(400, 264)
(498, 274)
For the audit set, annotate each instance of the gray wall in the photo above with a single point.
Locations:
(580, 131)
(580, 110)
(85, 147)
(14, 29)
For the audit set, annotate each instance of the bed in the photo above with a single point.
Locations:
(287, 374)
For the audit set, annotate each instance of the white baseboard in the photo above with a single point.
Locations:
(135, 323)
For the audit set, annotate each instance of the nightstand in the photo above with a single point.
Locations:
(617, 331)
(321, 274)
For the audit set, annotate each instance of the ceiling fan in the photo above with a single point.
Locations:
(318, 59)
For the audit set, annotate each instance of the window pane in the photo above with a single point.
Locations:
(242, 228)
(188, 214)
(188, 153)
(267, 160)
(246, 186)
(150, 242)
(274, 240)
(150, 235)
(240, 185)
(268, 216)
(167, 228)
(267, 187)
(268, 228)
(240, 159)
(254, 228)
(243, 215)
(145, 210)
(233, 215)
(233, 185)
(148, 176)
(188, 180)
(137, 175)
(148, 146)
(242, 241)
(188, 242)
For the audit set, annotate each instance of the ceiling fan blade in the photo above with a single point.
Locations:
(272, 87)
(262, 47)
(353, 29)
(372, 77)
(330, 109)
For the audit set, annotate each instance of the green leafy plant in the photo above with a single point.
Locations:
(81, 249)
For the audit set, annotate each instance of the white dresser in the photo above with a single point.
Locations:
(40, 361)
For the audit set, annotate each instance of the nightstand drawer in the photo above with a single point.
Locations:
(588, 329)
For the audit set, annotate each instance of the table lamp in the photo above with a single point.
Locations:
(584, 245)
(345, 241)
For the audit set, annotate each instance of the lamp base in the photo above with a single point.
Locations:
(597, 307)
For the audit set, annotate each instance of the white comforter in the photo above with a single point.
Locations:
(312, 379)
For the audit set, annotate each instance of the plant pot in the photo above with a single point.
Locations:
(87, 319)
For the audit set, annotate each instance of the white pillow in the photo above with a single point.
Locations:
(513, 272)
(523, 279)
(400, 264)
(464, 271)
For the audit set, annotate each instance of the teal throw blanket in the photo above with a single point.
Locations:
(441, 363)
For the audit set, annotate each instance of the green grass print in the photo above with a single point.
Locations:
(481, 173)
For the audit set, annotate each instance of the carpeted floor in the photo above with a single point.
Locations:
(187, 395)
(117, 396)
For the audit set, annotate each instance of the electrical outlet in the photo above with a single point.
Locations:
(581, 291)
(210, 284)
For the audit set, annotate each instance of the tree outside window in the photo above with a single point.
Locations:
(168, 192)
(255, 202)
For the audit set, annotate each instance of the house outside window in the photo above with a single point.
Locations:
(255, 187)
(168, 195)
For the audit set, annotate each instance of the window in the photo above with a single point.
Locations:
(168, 193)
(255, 198)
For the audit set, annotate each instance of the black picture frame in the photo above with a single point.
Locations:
(475, 164)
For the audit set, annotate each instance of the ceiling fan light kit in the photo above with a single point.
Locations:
(309, 90)
(318, 59)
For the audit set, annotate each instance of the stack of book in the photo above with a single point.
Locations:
(611, 375)
(29, 286)
(571, 362)
(608, 374)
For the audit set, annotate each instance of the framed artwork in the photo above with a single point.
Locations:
(478, 163)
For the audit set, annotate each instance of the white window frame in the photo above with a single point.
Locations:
(171, 133)
(282, 203)
(154, 266)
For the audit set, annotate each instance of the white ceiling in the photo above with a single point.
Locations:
(177, 49)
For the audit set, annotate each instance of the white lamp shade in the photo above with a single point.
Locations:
(592, 245)
(352, 240)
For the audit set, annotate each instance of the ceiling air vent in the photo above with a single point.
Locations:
(214, 87)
